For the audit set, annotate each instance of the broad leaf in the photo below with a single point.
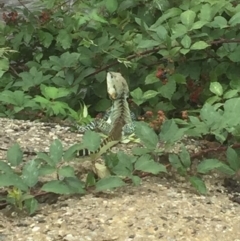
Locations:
(146, 164)
(146, 135)
(216, 88)
(30, 173)
(14, 155)
(198, 184)
(56, 151)
(109, 183)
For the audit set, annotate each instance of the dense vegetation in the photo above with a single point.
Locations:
(181, 59)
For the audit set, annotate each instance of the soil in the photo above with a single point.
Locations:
(162, 208)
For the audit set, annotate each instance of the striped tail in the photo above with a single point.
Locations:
(106, 144)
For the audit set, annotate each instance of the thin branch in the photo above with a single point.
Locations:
(154, 50)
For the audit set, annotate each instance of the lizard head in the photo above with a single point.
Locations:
(116, 85)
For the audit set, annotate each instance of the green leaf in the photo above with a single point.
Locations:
(233, 159)
(90, 180)
(56, 151)
(235, 19)
(103, 105)
(30, 173)
(4, 65)
(216, 88)
(170, 131)
(31, 204)
(168, 89)
(45, 38)
(151, 78)
(124, 166)
(198, 24)
(175, 161)
(230, 94)
(179, 78)
(7, 180)
(208, 165)
(66, 171)
(138, 151)
(14, 155)
(111, 5)
(109, 183)
(185, 157)
(46, 170)
(64, 38)
(145, 44)
(186, 42)
(66, 186)
(198, 184)
(137, 96)
(70, 153)
(149, 94)
(188, 17)
(199, 45)
(4, 167)
(91, 140)
(146, 135)
(146, 164)
(136, 180)
(219, 22)
(206, 12)
(43, 156)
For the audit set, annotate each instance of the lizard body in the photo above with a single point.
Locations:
(120, 117)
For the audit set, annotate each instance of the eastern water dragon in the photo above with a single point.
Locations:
(118, 121)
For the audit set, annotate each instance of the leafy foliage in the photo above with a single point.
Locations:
(181, 59)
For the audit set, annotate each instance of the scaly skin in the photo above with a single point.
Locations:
(120, 116)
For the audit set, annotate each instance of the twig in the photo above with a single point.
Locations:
(214, 149)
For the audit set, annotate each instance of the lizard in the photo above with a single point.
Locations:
(119, 122)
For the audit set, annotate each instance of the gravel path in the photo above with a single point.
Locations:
(161, 208)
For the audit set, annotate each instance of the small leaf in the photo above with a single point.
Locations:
(208, 165)
(63, 187)
(90, 180)
(149, 94)
(14, 155)
(168, 89)
(188, 17)
(124, 166)
(186, 41)
(109, 183)
(44, 157)
(30, 173)
(146, 135)
(4, 167)
(175, 161)
(66, 171)
(199, 45)
(56, 151)
(91, 140)
(151, 78)
(111, 5)
(185, 157)
(46, 170)
(233, 159)
(235, 19)
(7, 180)
(170, 132)
(230, 94)
(138, 151)
(31, 205)
(198, 184)
(136, 180)
(146, 164)
(216, 88)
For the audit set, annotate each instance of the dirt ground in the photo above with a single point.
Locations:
(161, 208)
